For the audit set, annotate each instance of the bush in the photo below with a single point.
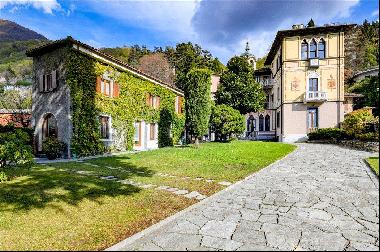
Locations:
(3, 176)
(368, 137)
(328, 134)
(15, 149)
(226, 122)
(52, 147)
(359, 121)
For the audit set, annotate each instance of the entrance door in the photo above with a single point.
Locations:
(312, 116)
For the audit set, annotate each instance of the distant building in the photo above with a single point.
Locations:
(20, 118)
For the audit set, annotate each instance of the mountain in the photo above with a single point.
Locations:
(10, 31)
(14, 41)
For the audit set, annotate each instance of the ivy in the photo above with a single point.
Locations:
(131, 106)
(81, 78)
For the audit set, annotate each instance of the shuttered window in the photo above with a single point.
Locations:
(152, 131)
(48, 82)
(153, 101)
(107, 87)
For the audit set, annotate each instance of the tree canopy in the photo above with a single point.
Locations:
(225, 122)
(238, 87)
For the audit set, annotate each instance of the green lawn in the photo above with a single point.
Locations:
(374, 163)
(52, 207)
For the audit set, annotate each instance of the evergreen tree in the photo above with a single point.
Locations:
(198, 102)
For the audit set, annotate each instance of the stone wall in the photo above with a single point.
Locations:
(56, 102)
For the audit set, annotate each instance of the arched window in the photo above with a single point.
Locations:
(304, 49)
(251, 124)
(313, 49)
(267, 123)
(261, 123)
(321, 49)
(49, 126)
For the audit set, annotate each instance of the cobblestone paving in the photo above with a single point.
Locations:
(320, 197)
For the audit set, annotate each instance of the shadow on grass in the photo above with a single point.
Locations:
(60, 183)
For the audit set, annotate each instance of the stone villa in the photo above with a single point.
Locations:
(127, 102)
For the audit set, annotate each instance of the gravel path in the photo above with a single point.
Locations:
(320, 197)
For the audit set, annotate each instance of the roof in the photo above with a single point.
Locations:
(303, 32)
(353, 95)
(69, 41)
(370, 70)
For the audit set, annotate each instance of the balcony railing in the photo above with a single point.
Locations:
(266, 83)
(315, 96)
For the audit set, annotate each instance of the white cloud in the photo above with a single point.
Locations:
(375, 13)
(46, 6)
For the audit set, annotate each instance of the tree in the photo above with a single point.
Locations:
(225, 122)
(238, 87)
(158, 66)
(19, 104)
(198, 102)
(369, 87)
(311, 23)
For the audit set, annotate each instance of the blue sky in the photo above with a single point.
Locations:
(220, 26)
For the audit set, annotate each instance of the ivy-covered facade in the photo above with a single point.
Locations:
(95, 103)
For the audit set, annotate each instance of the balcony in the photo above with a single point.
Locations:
(315, 96)
(314, 62)
(266, 83)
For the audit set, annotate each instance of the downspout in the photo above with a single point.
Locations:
(339, 87)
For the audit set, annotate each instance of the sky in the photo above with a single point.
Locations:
(220, 26)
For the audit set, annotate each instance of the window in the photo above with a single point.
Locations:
(321, 49)
(313, 84)
(278, 119)
(104, 127)
(267, 123)
(107, 87)
(304, 49)
(261, 123)
(48, 82)
(278, 94)
(153, 101)
(49, 126)
(313, 49)
(178, 104)
(152, 131)
(137, 136)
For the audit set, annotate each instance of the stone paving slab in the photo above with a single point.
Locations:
(320, 197)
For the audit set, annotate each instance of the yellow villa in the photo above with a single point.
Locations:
(304, 82)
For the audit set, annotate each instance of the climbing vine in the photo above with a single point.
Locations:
(131, 106)
(81, 78)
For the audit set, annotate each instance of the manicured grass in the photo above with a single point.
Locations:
(52, 207)
(374, 163)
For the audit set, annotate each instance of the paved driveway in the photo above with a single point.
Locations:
(320, 197)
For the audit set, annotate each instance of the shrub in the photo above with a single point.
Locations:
(15, 149)
(52, 147)
(369, 137)
(328, 134)
(358, 122)
(226, 121)
(3, 176)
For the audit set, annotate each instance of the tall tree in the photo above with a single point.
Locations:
(238, 87)
(198, 102)
(158, 66)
